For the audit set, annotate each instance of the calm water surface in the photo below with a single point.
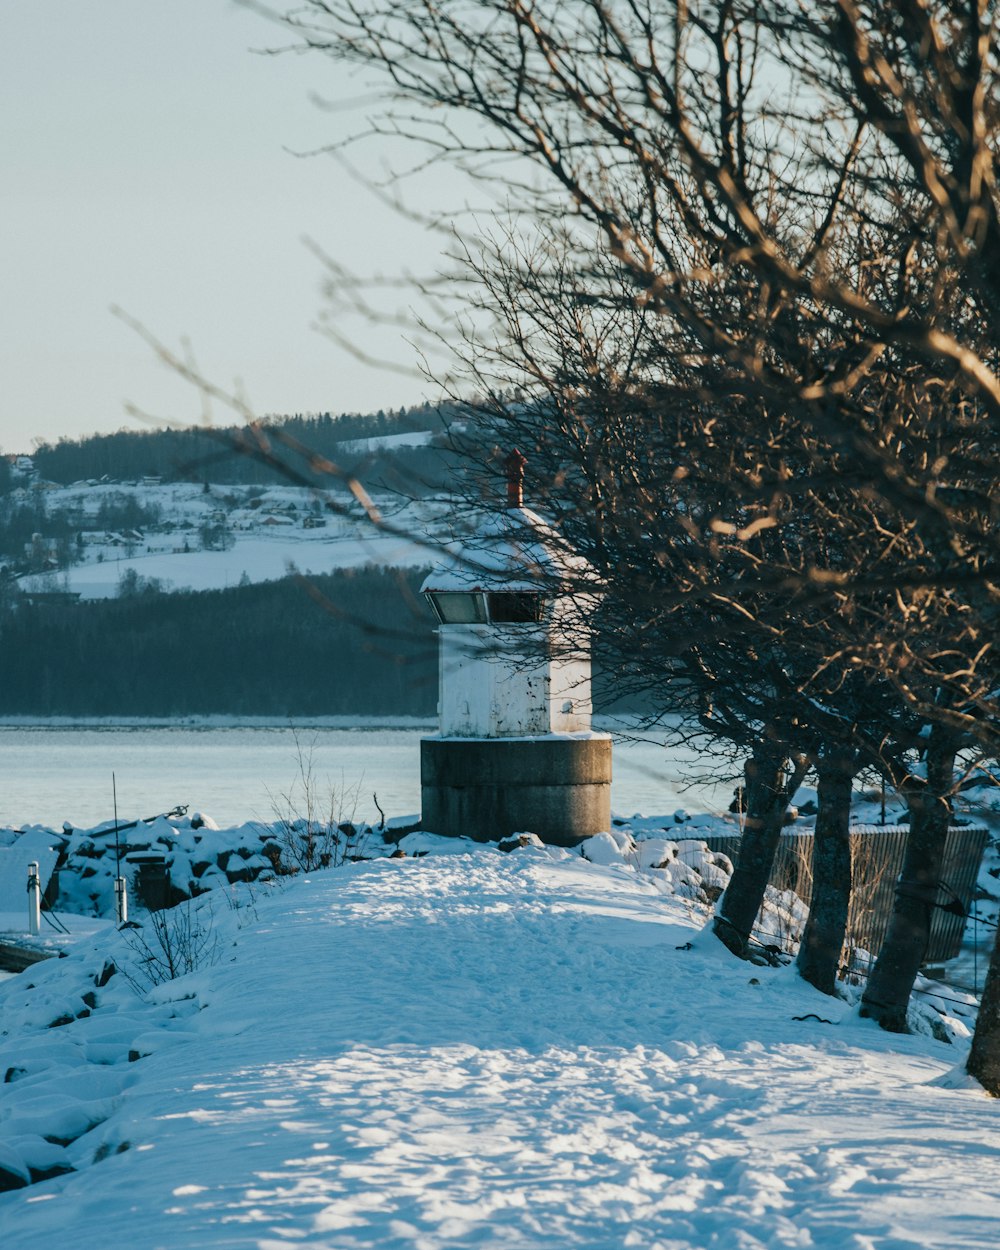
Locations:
(50, 775)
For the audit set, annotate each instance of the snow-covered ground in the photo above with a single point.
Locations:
(476, 1049)
(270, 532)
(253, 557)
(382, 442)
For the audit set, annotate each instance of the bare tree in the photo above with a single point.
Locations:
(610, 434)
(799, 194)
(783, 237)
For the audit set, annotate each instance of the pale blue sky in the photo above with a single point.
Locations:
(142, 163)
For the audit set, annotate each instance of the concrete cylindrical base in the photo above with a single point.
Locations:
(557, 788)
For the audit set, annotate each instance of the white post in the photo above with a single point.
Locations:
(34, 899)
(121, 901)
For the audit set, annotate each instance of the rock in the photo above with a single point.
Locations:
(14, 1172)
(623, 839)
(42, 1158)
(211, 879)
(106, 973)
(237, 869)
(518, 841)
(46, 1174)
(601, 849)
(87, 848)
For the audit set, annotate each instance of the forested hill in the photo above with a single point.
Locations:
(346, 643)
(212, 455)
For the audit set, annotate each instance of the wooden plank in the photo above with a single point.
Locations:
(877, 853)
(15, 958)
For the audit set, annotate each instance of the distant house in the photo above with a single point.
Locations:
(276, 520)
(150, 481)
(314, 523)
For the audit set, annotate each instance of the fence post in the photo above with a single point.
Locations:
(121, 901)
(34, 899)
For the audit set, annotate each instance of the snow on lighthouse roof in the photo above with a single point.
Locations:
(512, 549)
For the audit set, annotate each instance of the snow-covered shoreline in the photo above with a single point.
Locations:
(216, 721)
(624, 726)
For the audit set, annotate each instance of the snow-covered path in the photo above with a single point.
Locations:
(501, 1051)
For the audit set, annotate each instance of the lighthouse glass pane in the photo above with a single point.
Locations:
(457, 608)
(515, 607)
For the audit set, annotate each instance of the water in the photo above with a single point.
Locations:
(50, 775)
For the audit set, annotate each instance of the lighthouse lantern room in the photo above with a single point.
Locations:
(515, 751)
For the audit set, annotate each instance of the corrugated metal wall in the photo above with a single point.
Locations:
(877, 857)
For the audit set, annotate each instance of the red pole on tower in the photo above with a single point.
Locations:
(514, 464)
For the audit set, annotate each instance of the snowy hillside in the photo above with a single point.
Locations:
(476, 1049)
(188, 538)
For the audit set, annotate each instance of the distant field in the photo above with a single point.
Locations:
(258, 536)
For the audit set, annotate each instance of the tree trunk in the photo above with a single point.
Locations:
(768, 793)
(891, 982)
(823, 940)
(984, 1057)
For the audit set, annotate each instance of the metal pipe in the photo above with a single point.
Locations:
(121, 901)
(34, 899)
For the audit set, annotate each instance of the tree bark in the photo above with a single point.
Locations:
(891, 982)
(984, 1057)
(769, 790)
(823, 940)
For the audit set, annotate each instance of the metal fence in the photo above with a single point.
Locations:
(877, 859)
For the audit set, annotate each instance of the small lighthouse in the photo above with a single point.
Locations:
(515, 751)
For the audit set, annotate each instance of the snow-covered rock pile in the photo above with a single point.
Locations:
(686, 868)
(71, 1031)
(73, 1028)
(196, 853)
(198, 856)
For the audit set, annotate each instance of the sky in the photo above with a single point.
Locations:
(152, 161)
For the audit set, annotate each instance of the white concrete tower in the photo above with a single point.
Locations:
(515, 751)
